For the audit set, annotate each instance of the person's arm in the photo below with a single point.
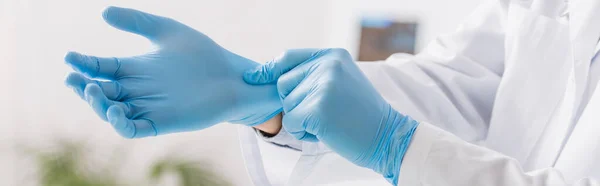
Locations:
(327, 98)
(436, 157)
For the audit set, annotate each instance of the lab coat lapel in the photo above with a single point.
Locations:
(580, 153)
(537, 68)
(584, 30)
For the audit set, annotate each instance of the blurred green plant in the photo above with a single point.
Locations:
(63, 167)
(188, 172)
(66, 165)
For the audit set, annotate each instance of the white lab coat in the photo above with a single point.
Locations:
(516, 78)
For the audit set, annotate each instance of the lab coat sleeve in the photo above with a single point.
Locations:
(436, 157)
(453, 81)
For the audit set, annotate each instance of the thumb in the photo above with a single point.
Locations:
(296, 121)
(137, 22)
(272, 70)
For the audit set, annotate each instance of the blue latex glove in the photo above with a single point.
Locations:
(326, 97)
(188, 83)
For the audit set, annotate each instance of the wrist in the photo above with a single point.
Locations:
(271, 127)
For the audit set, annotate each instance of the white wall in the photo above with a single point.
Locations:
(35, 34)
(7, 66)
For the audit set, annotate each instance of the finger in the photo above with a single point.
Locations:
(271, 71)
(137, 22)
(99, 102)
(296, 95)
(76, 81)
(94, 67)
(289, 81)
(129, 128)
(295, 123)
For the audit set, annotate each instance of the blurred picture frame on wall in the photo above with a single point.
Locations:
(383, 36)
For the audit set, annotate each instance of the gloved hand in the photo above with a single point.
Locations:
(326, 97)
(188, 83)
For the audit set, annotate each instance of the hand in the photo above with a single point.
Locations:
(326, 97)
(188, 83)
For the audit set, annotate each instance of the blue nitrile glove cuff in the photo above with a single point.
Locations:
(395, 141)
(259, 103)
